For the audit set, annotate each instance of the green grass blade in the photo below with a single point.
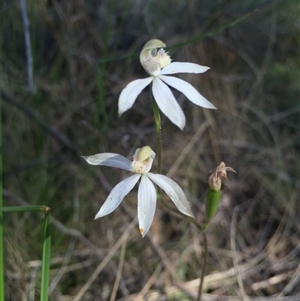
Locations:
(1, 215)
(31, 208)
(1, 250)
(1, 247)
(46, 256)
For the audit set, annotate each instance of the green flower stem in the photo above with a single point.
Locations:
(46, 256)
(157, 120)
(200, 291)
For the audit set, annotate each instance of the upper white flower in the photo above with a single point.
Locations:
(140, 165)
(158, 63)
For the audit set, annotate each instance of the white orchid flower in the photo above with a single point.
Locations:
(140, 165)
(158, 65)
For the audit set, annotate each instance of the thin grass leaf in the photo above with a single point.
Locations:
(31, 208)
(1, 250)
(1, 218)
(46, 256)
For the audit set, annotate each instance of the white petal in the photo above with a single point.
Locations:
(117, 195)
(183, 68)
(174, 191)
(167, 103)
(146, 204)
(188, 90)
(109, 159)
(131, 92)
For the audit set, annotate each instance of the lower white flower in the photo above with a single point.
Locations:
(140, 165)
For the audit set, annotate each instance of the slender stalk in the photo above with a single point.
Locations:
(1, 216)
(30, 208)
(203, 267)
(46, 256)
(157, 120)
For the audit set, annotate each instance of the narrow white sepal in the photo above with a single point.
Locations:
(173, 190)
(109, 159)
(117, 195)
(146, 204)
(131, 92)
(188, 90)
(167, 103)
(177, 67)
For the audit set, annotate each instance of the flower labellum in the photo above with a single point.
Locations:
(151, 59)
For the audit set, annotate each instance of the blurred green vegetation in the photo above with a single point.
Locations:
(84, 54)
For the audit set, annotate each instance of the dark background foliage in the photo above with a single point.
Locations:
(84, 53)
